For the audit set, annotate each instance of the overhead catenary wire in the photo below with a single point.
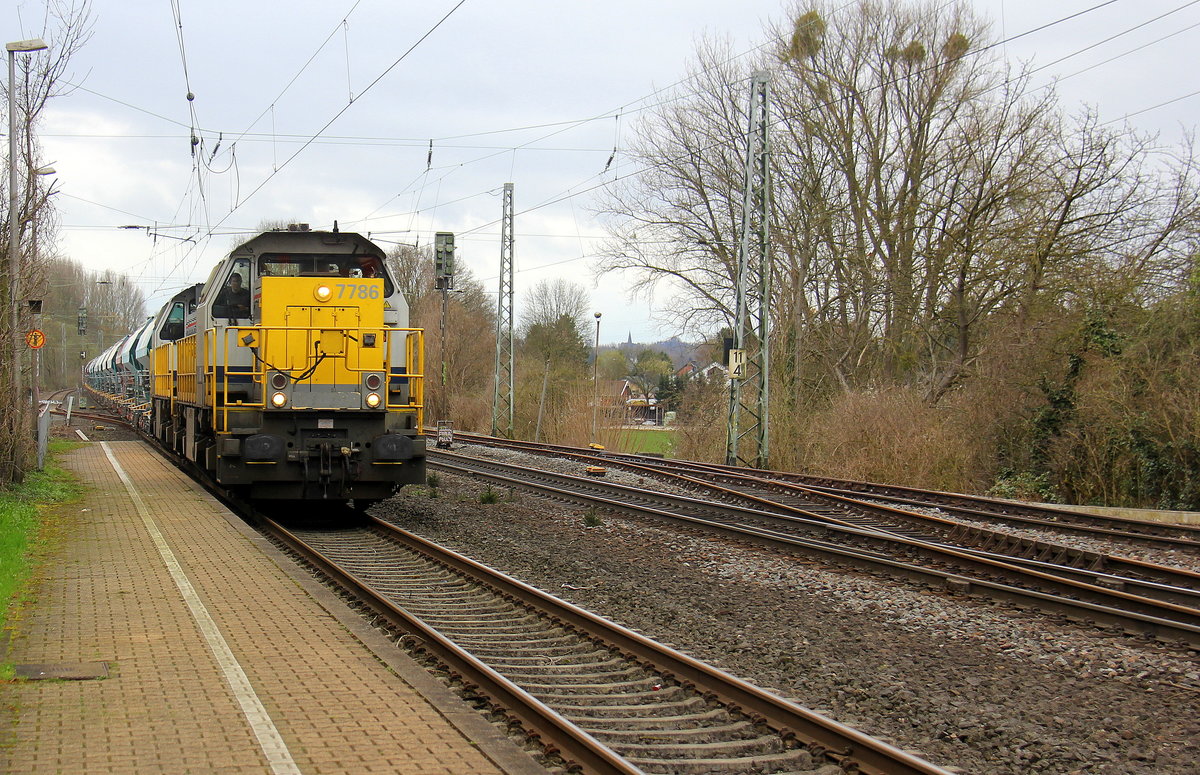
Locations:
(197, 135)
(275, 138)
(975, 52)
(237, 205)
(558, 198)
(576, 190)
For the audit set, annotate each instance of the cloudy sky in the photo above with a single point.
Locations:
(315, 111)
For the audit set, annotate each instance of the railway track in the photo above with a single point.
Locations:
(1171, 612)
(56, 399)
(970, 507)
(601, 697)
(785, 498)
(604, 698)
(978, 508)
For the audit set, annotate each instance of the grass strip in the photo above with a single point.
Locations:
(24, 536)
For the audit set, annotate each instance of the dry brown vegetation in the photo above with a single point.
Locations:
(974, 288)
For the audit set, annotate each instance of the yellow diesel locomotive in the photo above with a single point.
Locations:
(290, 375)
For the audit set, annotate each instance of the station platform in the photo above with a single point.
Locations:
(166, 636)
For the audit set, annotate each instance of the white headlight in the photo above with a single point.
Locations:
(279, 400)
(373, 400)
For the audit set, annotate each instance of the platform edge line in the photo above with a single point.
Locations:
(270, 742)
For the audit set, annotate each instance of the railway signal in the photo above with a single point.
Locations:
(443, 260)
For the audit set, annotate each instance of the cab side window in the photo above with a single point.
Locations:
(234, 299)
(172, 329)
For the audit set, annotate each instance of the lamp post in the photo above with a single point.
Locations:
(14, 258)
(35, 369)
(596, 377)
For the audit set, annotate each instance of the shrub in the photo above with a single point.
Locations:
(1024, 486)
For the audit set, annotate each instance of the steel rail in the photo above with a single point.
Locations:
(849, 747)
(1170, 585)
(846, 744)
(996, 508)
(1020, 549)
(1099, 604)
(991, 541)
(981, 507)
(1185, 596)
(561, 736)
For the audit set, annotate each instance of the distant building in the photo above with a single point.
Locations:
(621, 403)
(712, 371)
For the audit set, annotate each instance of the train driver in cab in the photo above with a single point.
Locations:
(235, 298)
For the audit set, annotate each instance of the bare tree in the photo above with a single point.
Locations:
(66, 28)
(677, 221)
(920, 188)
(412, 269)
(459, 371)
(113, 307)
(550, 301)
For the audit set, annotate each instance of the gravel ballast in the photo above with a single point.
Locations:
(968, 684)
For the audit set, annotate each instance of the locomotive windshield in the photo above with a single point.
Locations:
(234, 299)
(172, 328)
(323, 265)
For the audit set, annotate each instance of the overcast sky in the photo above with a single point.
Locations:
(572, 76)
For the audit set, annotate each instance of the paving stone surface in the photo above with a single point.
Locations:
(166, 705)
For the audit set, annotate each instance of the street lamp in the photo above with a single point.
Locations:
(14, 259)
(35, 369)
(596, 377)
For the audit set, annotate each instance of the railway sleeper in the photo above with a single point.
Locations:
(416, 579)
(447, 591)
(482, 619)
(554, 696)
(584, 654)
(712, 717)
(642, 686)
(508, 644)
(475, 602)
(1003, 543)
(664, 734)
(548, 667)
(794, 760)
(576, 678)
(463, 603)
(466, 613)
(671, 708)
(755, 744)
(515, 628)
(572, 649)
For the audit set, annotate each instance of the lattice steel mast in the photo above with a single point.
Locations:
(502, 397)
(747, 439)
